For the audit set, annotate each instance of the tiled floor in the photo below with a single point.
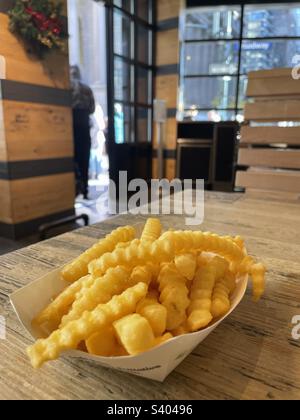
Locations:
(91, 207)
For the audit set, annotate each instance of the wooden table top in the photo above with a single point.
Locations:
(251, 355)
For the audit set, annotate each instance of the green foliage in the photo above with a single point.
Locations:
(39, 24)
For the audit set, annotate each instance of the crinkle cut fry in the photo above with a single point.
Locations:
(73, 333)
(114, 282)
(257, 273)
(58, 308)
(164, 249)
(134, 255)
(152, 230)
(79, 267)
(205, 241)
(200, 310)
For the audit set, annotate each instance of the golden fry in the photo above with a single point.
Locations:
(200, 310)
(103, 343)
(221, 297)
(134, 255)
(163, 339)
(152, 230)
(257, 273)
(154, 312)
(115, 281)
(186, 264)
(173, 295)
(79, 267)
(73, 333)
(138, 289)
(135, 334)
(51, 316)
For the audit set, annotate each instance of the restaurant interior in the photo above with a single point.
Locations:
(221, 73)
(172, 90)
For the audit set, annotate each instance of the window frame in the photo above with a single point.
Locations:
(239, 75)
(134, 65)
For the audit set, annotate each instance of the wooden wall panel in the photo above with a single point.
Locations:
(272, 83)
(154, 168)
(270, 135)
(167, 47)
(285, 110)
(273, 158)
(170, 169)
(167, 9)
(5, 202)
(167, 80)
(53, 71)
(3, 152)
(270, 180)
(36, 139)
(167, 89)
(36, 197)
(37, 131)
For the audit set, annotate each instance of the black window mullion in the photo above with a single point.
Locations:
(132, 106)
(135, 17)
(240, 59)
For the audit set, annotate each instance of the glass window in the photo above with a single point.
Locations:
(208, 23)
(144, 86)
(143, 10)
(132, 62)
(272, 20)
(210, 92)
(123, 77)
(127, 5)
(122, 34)
(212, 48)
(143, 125)
(144, 44)
(123, 123)
(243, 91)
(268, 54)
(213, 115)
(211, 58)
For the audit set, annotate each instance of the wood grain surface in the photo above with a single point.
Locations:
(249, 356)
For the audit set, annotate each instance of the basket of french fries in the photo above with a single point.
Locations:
(140, 300)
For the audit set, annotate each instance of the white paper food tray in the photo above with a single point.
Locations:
(155, 364)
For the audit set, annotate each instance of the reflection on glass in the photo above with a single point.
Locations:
(144, 45)
(243, 91)
(122, 34)
(270, 20)
(143, 10)
(210, 92)
(211, 58)
(214, 22)
(127, 5)
(143, 125)
(122, 123)
(268, 54)
(212, 115)
(143, 86)
(122, 80)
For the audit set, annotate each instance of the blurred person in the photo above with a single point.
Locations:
(98, 150)
(83, 104)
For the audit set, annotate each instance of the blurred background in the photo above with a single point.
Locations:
(72, 120)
